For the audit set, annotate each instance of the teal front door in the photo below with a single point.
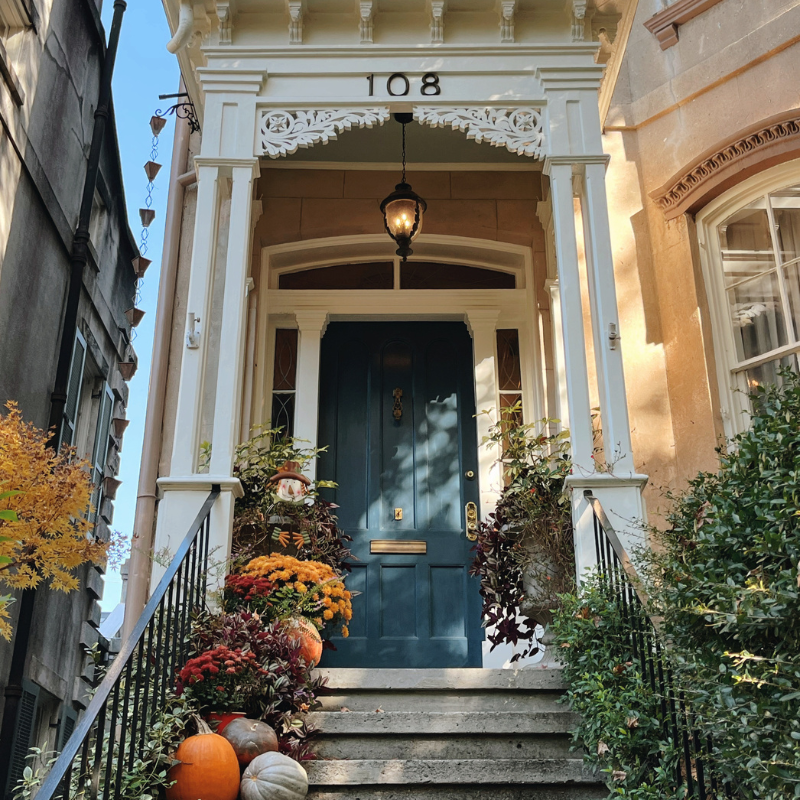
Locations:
(397, 408)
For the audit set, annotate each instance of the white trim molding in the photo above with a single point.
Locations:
(282, 132)
(519, 130)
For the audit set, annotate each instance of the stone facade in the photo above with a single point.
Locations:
(48, 93)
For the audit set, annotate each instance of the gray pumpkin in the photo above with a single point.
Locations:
(274, 776)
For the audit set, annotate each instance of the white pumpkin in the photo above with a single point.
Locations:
(274, 776)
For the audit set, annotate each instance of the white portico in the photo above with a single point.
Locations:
(519, 85)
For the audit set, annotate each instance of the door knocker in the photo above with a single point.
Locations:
(397, 409)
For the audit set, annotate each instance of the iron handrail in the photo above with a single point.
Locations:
(96, 711)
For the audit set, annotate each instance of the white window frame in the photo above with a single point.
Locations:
(733, 389)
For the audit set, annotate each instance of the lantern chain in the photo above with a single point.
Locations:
(404, 152)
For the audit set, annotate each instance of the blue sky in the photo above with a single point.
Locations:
(144, 70)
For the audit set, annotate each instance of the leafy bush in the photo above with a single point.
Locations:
(620, 724)
(524, 553)
(725, 580)
(260, 516)
(287, 689)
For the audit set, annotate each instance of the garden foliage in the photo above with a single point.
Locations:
(524, 552)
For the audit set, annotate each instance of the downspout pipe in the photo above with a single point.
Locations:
(58, 398)
(144, 518)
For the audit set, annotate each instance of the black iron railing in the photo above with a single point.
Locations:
(113, 731)
(694, 773)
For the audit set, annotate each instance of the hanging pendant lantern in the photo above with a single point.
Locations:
(403, 209)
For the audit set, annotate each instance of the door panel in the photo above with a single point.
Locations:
(414, 610)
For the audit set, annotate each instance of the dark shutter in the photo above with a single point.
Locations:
(23, 734)
(69, 718)
(100, 449)
(74, 385)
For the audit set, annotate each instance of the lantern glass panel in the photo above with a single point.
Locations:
(400, 218)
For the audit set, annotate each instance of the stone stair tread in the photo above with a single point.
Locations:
(448, 771)
(460, 679)
(411, 723)
(578, 791)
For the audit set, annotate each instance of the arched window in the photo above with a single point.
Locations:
(750, 248)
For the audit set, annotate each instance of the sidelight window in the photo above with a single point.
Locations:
(284, 380)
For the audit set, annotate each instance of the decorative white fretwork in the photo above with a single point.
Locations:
(365, 12)
(283, 132)
(438, 7)
(519, 130)
(296, 9)
(507, 10)
(579, 20)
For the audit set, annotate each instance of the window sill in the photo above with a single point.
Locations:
(664, 25)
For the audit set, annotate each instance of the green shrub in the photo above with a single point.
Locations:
(619, 725)
(725, 580)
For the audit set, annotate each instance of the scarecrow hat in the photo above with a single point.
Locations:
(290, 469)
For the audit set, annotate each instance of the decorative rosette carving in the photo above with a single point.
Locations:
(519, 130)
(283, 132)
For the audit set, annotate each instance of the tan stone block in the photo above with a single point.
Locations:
(302, 183)
(512, 237)
(496, 185)
(378, 183)
(518, 215)
(476, 218)
(321, 218)
(279, 222)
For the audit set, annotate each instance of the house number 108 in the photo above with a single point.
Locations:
(398, 85)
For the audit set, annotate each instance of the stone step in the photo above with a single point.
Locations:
(440, 701)
(502, 791)
(465, 679)
(490, 723)
(377, 747)
(475, 771)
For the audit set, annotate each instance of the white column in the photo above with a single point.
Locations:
(249, 362)
(483, 325)
(228, 399)
(605, 321)
(558, 353)
(311, 326)
(575, 369)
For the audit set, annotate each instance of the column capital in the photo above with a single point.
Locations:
(577, 162)
(199, 483)
(226, 166)
(312, 321)
(482, 320)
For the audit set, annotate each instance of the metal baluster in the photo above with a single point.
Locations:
(596, 535)
(158, 665)
(123, 732)
(685, 740)
(136, 694)
(112, 735)
(94, 785)
(206, 533)
(711, 771)
(84, 773)
(698, 760)
(194, 583)
(184, 608)
(169, 650)
(145, 707)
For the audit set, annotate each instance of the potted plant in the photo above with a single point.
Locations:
(525, 552)
(221, 681)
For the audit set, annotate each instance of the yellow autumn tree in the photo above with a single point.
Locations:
(44, 498)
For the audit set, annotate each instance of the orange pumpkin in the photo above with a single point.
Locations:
(310, 641)
(209, 769)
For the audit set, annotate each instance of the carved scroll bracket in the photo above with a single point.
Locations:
(282, 132)
(519, 130)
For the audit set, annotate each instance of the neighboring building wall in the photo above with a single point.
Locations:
(44, 145)
(729, 71)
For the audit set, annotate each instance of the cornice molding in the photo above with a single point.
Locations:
(756, 148)
(519, 130)
(664, 25)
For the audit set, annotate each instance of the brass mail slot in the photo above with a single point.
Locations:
(397, 546)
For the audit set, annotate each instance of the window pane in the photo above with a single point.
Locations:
(768, 373)
(431, 275)
(757, 316)
(283, 413)
(786, 209)
(283, 375)
(342, 276)
(509, 373)
(746, 244)
(791, 275)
